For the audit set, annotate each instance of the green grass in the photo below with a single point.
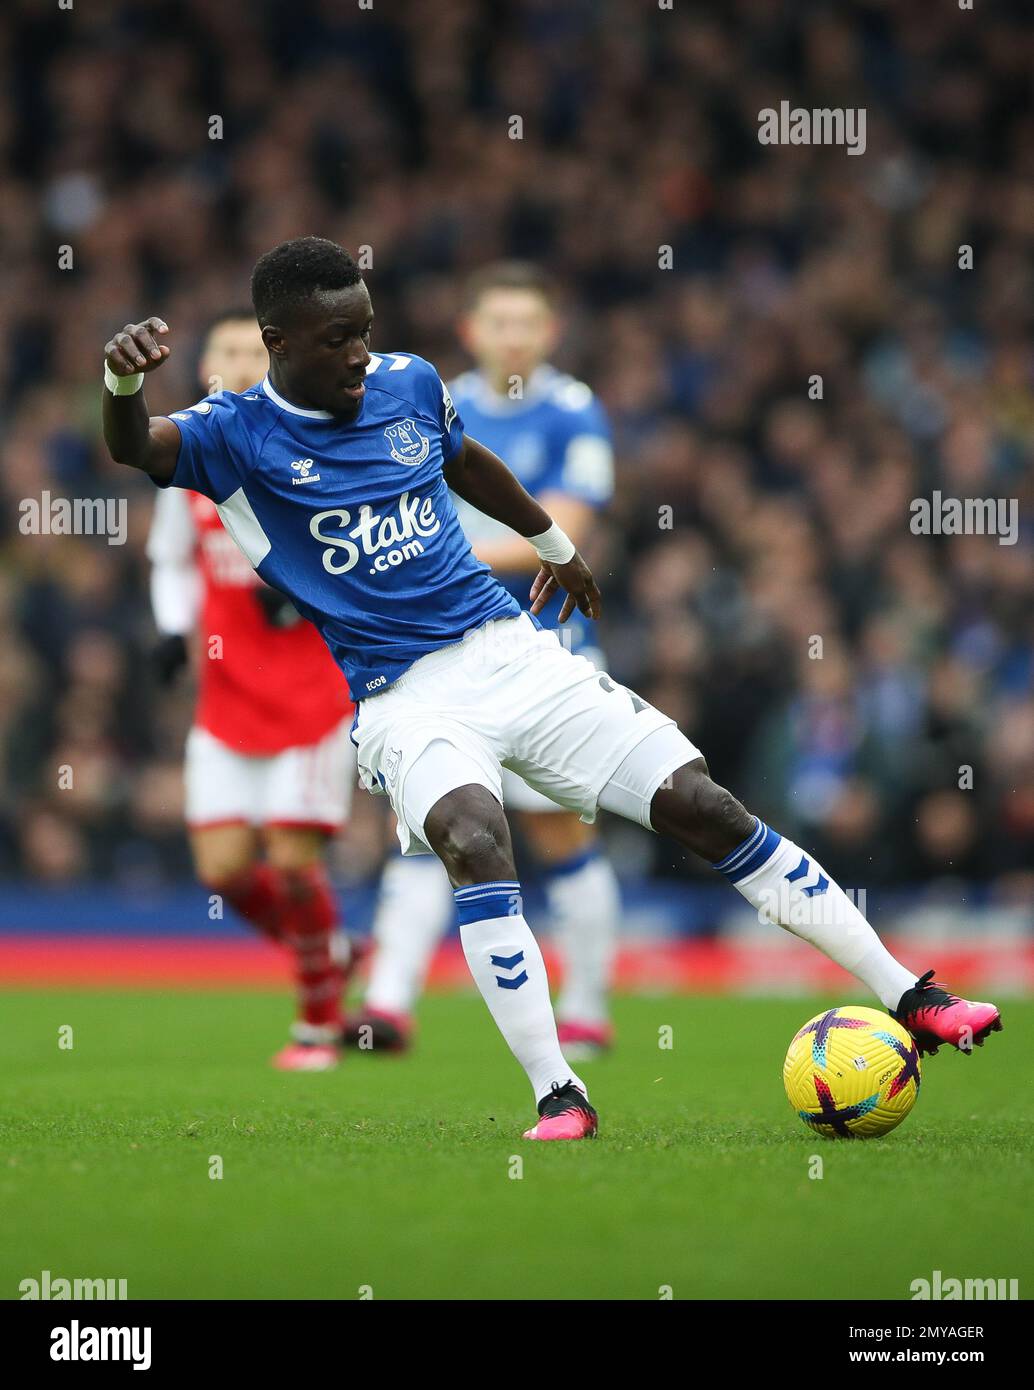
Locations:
(395, 1172)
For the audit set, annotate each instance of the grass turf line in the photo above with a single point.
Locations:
(394, 1172)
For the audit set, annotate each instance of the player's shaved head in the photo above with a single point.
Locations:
(286, 278)
(316, 317)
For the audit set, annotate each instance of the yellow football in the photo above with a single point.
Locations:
(852, 1072)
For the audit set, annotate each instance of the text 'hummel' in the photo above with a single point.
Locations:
(302, 466)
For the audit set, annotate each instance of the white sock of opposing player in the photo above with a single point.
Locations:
(585, 913)
(791, 888)
(414, 911)
(507, 965)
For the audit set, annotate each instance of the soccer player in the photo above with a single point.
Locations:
(452, 681)
(269, 764)
(555, 438)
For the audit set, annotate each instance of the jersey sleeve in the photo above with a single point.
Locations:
(434, 397)
(452, 425)
(212, 448)
(581, 454)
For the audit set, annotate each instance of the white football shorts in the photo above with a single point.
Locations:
(509, 695)
(517, 794)
(305, 786)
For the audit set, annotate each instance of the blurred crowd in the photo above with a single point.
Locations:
(869, 689)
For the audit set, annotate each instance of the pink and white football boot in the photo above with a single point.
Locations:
(564, 1114)
(318, 1046)
(314, 1047)
(933, 1016)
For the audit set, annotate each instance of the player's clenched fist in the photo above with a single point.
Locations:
(132, 436)
(136, 348)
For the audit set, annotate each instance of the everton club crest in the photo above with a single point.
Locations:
(407, 444)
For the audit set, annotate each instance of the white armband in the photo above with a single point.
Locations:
(122, 385)
(553, 545)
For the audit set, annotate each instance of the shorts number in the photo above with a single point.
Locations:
(609, 686)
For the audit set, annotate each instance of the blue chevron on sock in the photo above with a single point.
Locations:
(508, 962)
(802, 870)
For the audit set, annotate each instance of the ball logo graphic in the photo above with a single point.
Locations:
(852, 1073)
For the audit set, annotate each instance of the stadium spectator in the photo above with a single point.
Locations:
(750, 518)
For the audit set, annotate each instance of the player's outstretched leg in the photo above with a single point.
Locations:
(467, 830)
(792, 889)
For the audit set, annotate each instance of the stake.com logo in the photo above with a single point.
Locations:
(391, 539)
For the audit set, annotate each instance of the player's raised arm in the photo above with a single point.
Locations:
(133, 437)
(483, 479)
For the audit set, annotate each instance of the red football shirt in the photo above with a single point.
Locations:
(261, 688)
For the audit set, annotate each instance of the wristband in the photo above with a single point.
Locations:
(553, 545)
(122, 385)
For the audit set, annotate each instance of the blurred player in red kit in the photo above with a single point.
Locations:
(269, 764)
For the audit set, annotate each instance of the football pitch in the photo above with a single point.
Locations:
(405, 1177)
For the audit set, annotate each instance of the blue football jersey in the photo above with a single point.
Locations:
(353, 520)
(556, 438)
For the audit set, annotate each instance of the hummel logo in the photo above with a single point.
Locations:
(510, 964)
(303, 466)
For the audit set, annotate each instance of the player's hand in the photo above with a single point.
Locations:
(136, 348)
(576, 578)
(168, 657)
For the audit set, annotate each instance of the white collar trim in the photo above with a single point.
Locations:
(277, 399)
